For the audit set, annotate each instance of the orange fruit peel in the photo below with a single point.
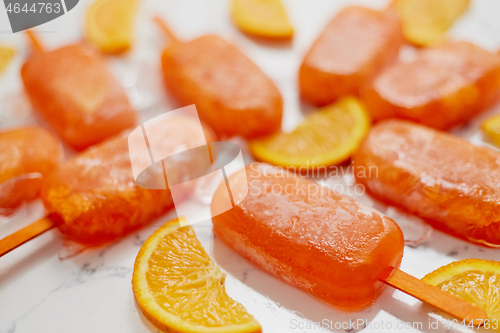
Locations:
(179, 288)
(262, 18)
(491, 127)
(425, 22)
(473, 280)
(109, 24)
(326, 137)
(6, 56)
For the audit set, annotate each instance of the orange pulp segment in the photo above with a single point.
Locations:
(6, 55)
(327, 137)
(109, 24)
(263, 18)
(475, 281)
(180, 289)
(425, 22)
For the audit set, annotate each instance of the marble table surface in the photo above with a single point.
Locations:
(51, 285)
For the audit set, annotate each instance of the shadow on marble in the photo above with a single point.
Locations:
(21, 260)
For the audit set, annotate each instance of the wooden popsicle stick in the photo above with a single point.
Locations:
(436, 297)
(20, 237)
(165, 28)
(37, 45)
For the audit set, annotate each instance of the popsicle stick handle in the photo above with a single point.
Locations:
(436, 297)
(166, 29)
(37, 45)
(20, 237)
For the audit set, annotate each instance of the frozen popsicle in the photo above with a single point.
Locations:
(446, 180)
(232, 95)
(74, 91)
(311, 237)
(442, 87)
(27, 156)
(354, 46)
(94, 197)
(322, 242)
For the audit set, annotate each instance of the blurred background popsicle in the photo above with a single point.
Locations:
(27, 156)
(446, 180)
(442, 87)
(354, 46)
(74, 91)
(232, 95)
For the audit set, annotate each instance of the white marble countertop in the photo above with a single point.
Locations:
(49, 285)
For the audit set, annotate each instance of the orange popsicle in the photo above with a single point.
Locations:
(72, 88)
(232, 95)
(94, 198)
(27, 156)
(311, 237)
(442, 87)
(352, 48)
(451, 183)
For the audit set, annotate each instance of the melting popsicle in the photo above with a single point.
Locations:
(322, 242)
(442, 87)
(232, 95)
(27, 156)
(286, 221)
(356, 44)
(72, 88)
(446, 180)
(94, 198)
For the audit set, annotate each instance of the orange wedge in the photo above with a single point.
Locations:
(475, 281)
(262, 18)
(491, 127)
(6, 56)
(425, 22)
(326, 137)
(109, 24)
(179, 288)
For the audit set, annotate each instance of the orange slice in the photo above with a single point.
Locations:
(475, 281)
(6, 56)
(491, 127)
(109, 24)
(179, 288)
(263, 18)
(327, 137)
(425, 22)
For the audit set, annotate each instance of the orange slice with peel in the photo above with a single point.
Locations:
(179, 288)
(473, 280)
(491, 127)
(425, 22)
(109, 24)
(6, 56)
(326, 137)
(262, 18)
